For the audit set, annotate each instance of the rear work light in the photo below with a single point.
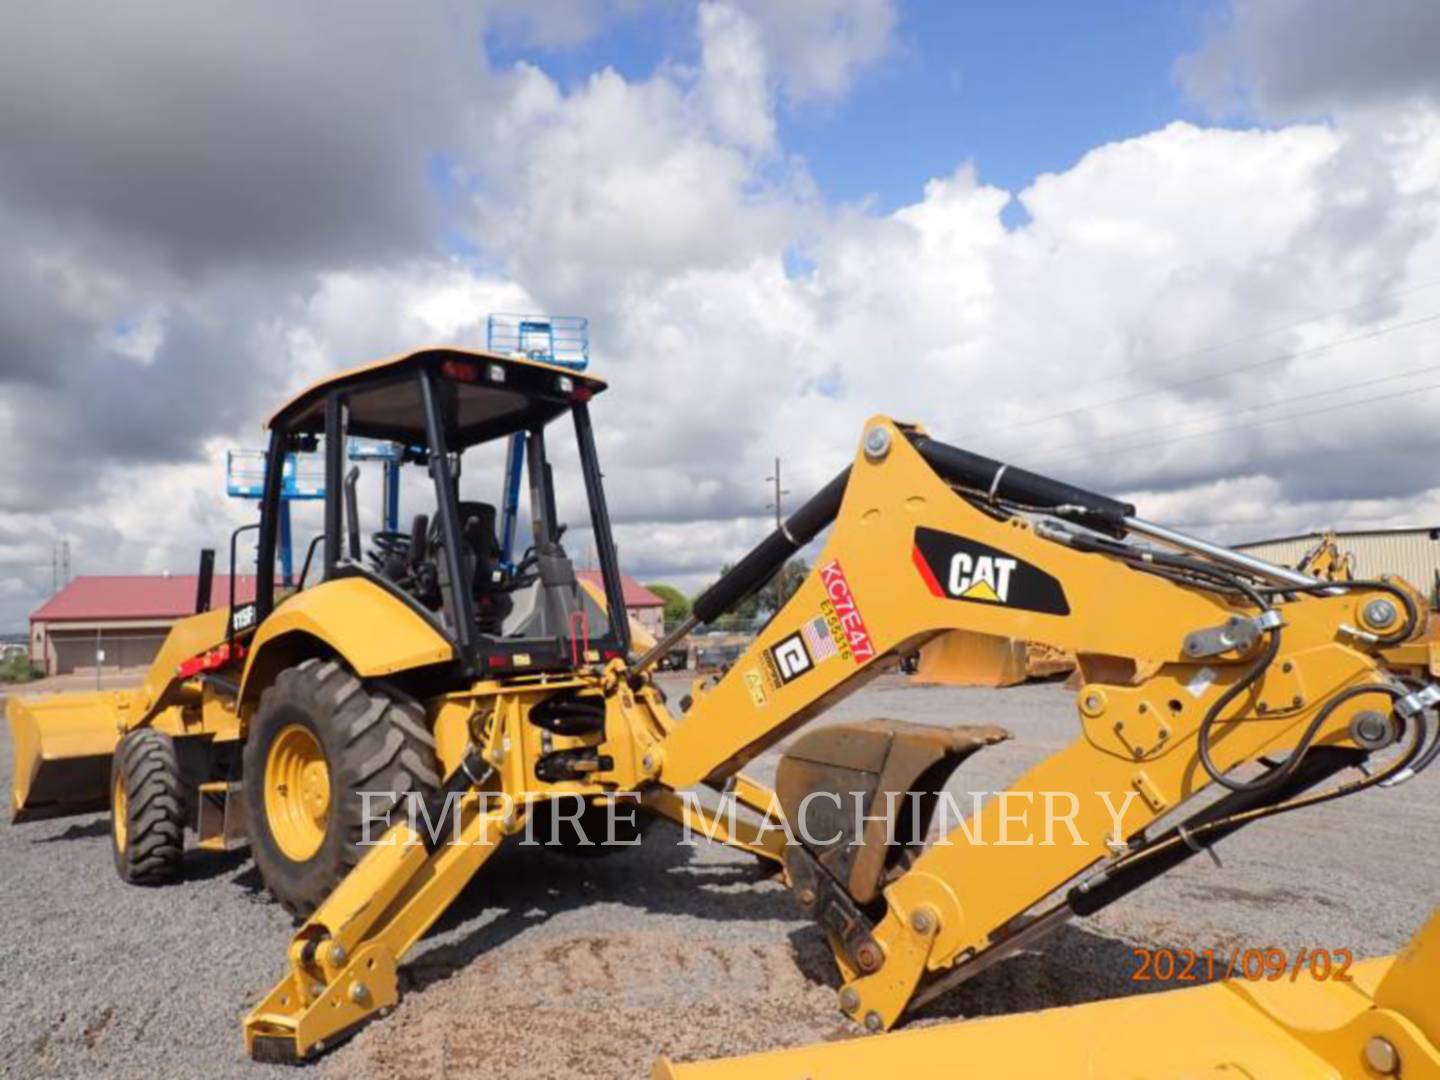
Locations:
(460, 371)
(213, 660)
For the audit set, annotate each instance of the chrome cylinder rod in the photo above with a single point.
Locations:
(664, 645)
(1236, 560)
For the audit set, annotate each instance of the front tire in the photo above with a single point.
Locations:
(147, 808)
(320, 738)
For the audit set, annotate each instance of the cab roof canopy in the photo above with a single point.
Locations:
(482, 396)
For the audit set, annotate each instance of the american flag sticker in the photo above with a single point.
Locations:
(817, 636)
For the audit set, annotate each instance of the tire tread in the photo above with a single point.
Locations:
(149, 769)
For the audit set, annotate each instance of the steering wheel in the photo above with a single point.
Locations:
(389, 542)
(531, 556)
(390, 554)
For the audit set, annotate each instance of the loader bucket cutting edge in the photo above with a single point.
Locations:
(62, 750)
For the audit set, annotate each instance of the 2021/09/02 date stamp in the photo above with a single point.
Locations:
(1254, 965)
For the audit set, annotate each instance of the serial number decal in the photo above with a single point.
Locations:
(1252, 965)
(957, 568)
(848, 625)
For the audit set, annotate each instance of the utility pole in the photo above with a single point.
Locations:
(779, 494)
(59, 566)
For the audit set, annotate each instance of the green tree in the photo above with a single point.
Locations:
(743, 612)
(17, 668)
(677, 604)
(768, 598)
(782, 586)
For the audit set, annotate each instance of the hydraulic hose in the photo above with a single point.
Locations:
(1223, 818)
(1280, 774)
(1395, 637)
(1283, 771)
(1202, 738)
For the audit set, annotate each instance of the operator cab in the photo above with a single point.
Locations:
(449, 416)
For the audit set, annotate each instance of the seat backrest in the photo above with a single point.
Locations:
(477, 526)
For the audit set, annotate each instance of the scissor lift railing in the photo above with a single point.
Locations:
(301, 479)
(554, 339)
(563, 340)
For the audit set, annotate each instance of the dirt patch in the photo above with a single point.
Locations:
(599, 1007)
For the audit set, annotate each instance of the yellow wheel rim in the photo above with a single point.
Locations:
(297, 792)
(119, 808)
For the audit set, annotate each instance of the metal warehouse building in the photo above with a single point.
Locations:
(1413, 554)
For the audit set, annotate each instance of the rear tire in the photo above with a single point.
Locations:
(147, 808)
(319, 738)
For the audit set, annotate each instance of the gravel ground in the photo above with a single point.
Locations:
(557, 967)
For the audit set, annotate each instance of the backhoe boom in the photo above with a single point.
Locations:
(1191, 662)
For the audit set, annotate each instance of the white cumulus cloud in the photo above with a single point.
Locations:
(1240, 328)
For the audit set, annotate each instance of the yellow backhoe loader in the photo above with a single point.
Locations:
(376, 733)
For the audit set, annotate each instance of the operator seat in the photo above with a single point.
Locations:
(477, 526)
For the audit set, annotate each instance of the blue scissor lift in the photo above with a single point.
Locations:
(390, 454)
(245, 479)
(563, 340)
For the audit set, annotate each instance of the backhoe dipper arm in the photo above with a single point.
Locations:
(1187, 671)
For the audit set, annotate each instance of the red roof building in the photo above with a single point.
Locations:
(137, 596)
(644, 606)
(636, 595)
(118, 621)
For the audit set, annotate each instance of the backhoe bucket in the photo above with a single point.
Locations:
(894, 769)
(63, 744)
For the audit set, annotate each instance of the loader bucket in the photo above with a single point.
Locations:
(1381, 1021)
(63, 744)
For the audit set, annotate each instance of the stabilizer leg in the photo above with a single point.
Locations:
(765, 838)
(343, 961)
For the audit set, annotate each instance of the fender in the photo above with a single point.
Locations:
(355, 618)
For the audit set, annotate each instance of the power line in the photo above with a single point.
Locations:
(1282, 419)
(1212, 375)
(1125, 436)
(1258, 334)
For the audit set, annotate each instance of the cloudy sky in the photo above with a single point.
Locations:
(1185, 252)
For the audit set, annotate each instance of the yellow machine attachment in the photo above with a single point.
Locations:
(1327, 562)
(963, 659)
(63, 743)
(1383, 1022)
(1198, 667)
